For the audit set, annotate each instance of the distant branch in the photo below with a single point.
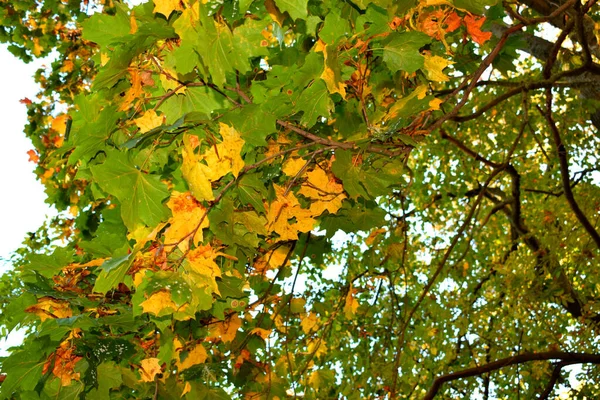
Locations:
(573, 358)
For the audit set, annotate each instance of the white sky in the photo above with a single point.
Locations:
(22, 207)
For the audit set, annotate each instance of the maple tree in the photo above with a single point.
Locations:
(318, 199)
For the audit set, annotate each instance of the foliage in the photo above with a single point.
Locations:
(326, 199)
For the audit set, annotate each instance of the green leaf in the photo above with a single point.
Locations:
(109, 377)
(474, 6)
(107, 29)
(334, 27)
(401, 51)
(314, 102)
(195, 99)
(296, 8)
(141, 194)
(113, 272)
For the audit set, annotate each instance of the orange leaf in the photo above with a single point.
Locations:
(452, 22)
(33, 157)
(474, 29)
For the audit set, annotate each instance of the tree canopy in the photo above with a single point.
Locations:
(270, 199)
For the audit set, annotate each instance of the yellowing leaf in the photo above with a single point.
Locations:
(203, 269)
(433, 68)
(330, 76)
(48, 307)
(148, 121)
(317, 347)
(185, 223)
(166, 7)
(292, 166)
(351, 305)
(132, 23)
(272, 260)
(325, 192)
(195, 356)
(309, 322)
(59, 124)
(434, 104)
(225, 331)
(263, 333)
(373, 235)
(134, 92)
(286, 207)
(186, 389)
(219, 160)
(158, 302)
(149, 368)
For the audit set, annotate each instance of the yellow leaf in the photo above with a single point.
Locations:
(148, 121)
(203, 270)
(272, 260)
(195, 356)
(263, 333)
(329, 76)
(134, 92)
(59, 124)
(292, 166)
(132, 23)
(325, 192)
(351, 305)
(185, 222)
(286, 207)
(225, 331)
(219, 160)
(435, 104)
(48, 307)
(434, 66)
(166, 7)
(316, 347)
(186, 389)
(373, 235)
(149, 368)
(158, 302)
(420, 92)
(309, 322)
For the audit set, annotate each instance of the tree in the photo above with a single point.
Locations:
(292, 198)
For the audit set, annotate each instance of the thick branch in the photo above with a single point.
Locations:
(575, 358)
(561, 150)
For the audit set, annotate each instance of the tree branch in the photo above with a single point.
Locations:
(573, 358)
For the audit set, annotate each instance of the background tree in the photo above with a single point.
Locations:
(267, 199)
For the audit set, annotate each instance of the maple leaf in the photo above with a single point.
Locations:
(134, 92)
(292, 166)
(351, 304)
(433, 67)
(33, 156)
(309, 322)
(148, 121)
(166, 7)
(273, 260)
(149, 368)
(49, 307)
(64, 361)
(285, 208)
(219, 160)
(473, 25)
(185, 225)
(158, 302)
(203, 269)
(224, 331)
(197, 355)
(325, 192)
